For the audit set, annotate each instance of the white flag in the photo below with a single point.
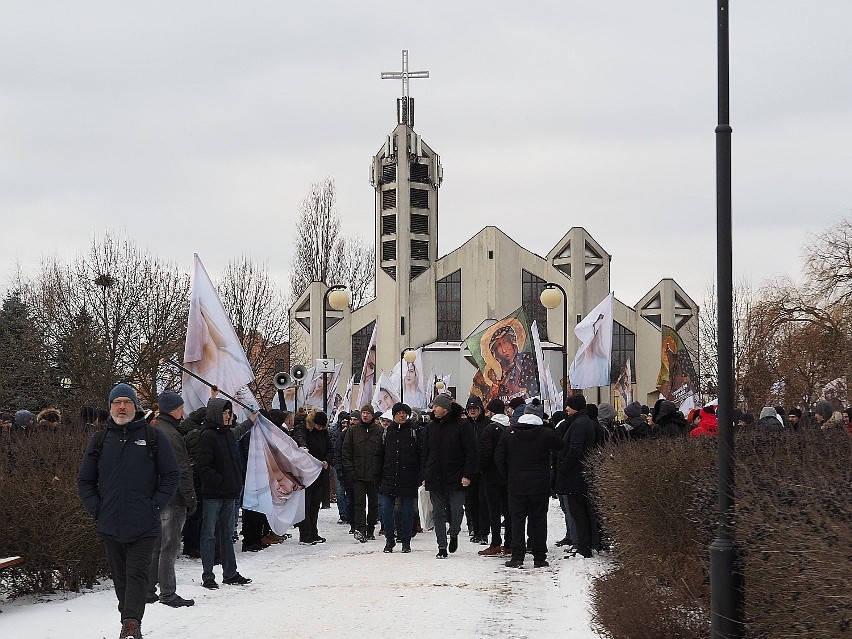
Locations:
(347, 397)
(386, 395)
(276, 475)
(212, 350)
(550, 397)
(591, 365)
(314, 387)
(368, 373)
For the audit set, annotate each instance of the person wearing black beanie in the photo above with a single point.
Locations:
(319, 445)
(579, 440)
(476, 501)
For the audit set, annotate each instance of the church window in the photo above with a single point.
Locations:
(419, 250)
(388, 224)
(623, 348)
(419, 223)
(360, 342)
(420, 173)
(448, 304)
(389, 199)
(532, 286)
(419, 198)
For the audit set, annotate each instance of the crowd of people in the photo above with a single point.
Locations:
(161, 483)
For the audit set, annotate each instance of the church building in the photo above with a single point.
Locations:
(434, 302)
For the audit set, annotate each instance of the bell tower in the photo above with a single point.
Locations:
(406, 174)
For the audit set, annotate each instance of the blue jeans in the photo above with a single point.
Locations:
(166, 550)
(340, 491)
(218, 514)
(386, 503)
(440, 501)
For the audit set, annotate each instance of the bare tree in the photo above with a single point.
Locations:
(323, 255)
(258, 312)
(828, 263)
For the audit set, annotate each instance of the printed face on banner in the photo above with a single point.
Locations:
(505, 354)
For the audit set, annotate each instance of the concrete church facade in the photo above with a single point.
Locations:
(434, 303)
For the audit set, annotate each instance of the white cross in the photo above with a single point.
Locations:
(405, 74)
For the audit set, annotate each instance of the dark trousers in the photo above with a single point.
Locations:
(313, 501)
(192, 531)
(498, 507)
(255, 527)
(366, 506)
(447, 506)
(532, 509)
(581, 511)
(129, 564)
(162, 570)
(476, 508)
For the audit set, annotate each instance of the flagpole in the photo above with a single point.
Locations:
(212, 386)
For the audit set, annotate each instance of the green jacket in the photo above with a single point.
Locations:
(359, 449)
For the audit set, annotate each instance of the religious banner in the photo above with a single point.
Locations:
(368, 372)
(593, 362)
(277, 473)
(212, 350)
(677, 379)
(506, 359)
(414, 384)
(622, 389)
(386, 395)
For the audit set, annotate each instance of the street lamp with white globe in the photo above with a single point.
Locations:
(336, 298)
(551, 297)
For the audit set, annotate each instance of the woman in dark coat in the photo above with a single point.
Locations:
(318, 442)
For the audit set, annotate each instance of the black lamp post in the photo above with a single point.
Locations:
(405, 357)
(550, 299)
(725, 585)
(336, 297)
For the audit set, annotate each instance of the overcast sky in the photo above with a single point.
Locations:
(199, 126)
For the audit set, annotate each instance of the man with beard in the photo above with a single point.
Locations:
(449, 461)
(128, 475)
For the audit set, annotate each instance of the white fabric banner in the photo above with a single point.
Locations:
(385, 395)
(414, 384)
(212, 350)
(550, 396)
(591, 365)
(276, 475)
(368, 372)
(347, 396)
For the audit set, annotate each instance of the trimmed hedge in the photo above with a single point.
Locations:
(793, 516)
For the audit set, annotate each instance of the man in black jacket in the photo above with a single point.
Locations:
(475, 501)
(523, 457)
(128, 475)
(449, 461)
(173, 516)
(358, 454)
(493, 479)
(398, 475)
(221, 485)
(579, 441)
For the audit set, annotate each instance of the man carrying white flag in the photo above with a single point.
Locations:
(213, 351)
(591, 365)
(276, 475)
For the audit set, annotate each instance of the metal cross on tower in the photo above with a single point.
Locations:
(404, 75)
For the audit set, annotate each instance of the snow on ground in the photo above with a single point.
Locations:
(343, 589)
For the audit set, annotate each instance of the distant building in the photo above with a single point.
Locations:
(423, 300)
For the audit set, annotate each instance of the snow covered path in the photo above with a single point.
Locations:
(343, 589)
